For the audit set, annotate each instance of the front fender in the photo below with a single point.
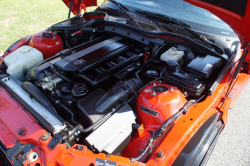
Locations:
(200, 146)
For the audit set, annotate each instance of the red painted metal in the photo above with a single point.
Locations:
(137, 144)
(171, 145)
(47, 42)
(165, 103)
(84, 4)
(14, 118)
(240, 25)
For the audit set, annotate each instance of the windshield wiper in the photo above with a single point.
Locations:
(126, 10)
(162, 16)
(184, 25)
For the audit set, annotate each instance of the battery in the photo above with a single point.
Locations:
(203, 66)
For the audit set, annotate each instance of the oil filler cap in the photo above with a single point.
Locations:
(160, 89)
(79, 90)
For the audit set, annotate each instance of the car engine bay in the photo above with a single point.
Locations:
(106, 82)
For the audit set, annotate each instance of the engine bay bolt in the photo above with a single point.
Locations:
(45, 137)
(154, 93)
(154, 84)
(171, 89)
(159, 154)
(67, 146)
(21, 132)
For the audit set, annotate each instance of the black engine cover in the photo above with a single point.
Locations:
(92, 53)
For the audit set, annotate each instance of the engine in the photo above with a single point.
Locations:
(107, 87)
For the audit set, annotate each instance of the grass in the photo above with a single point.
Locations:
(20, 18)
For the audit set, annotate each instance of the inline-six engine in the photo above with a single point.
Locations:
(104, 90)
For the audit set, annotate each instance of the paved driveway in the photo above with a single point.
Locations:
(233, 146)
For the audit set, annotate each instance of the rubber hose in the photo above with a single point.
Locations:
(53, 69)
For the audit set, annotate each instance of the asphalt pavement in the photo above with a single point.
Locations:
(233, 146)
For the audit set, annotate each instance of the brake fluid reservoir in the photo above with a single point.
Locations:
(158, 102)
(172, 54)
(22, 60)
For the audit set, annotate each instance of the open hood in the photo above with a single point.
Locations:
(75, 4)
(235, 13)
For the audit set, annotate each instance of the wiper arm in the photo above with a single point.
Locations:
(162, 16)
(184, 25)
(126, 10)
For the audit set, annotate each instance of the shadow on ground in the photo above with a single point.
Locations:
(233, 147)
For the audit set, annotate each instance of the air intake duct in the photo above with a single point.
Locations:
(121, 92)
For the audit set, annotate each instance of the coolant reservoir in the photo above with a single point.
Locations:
(158, 102)
(22, 60)
(49, 43)
(172, 54)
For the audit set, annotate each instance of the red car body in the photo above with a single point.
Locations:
(211, 113)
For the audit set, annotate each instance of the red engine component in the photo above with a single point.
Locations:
(158, 102)
(47, 42)
(155, 104)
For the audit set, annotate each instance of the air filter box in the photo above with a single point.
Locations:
(86, 107)
(114, 134)
(203, 67)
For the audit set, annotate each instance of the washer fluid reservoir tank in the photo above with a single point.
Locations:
(158, 102)
(22, 60)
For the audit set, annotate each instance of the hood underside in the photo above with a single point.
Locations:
(235, 13)
(75, 4)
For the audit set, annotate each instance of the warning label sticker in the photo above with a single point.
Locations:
(207, 68)
(149, 111)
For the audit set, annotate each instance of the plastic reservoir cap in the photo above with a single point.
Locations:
(173, 51)
(24, 49)
(172, 64)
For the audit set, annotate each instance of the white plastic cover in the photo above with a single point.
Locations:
(22, 60)
(114, 131)
(172, 54)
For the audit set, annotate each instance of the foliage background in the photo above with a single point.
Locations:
(20, 18)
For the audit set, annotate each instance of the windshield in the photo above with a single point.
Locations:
(183, 11)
